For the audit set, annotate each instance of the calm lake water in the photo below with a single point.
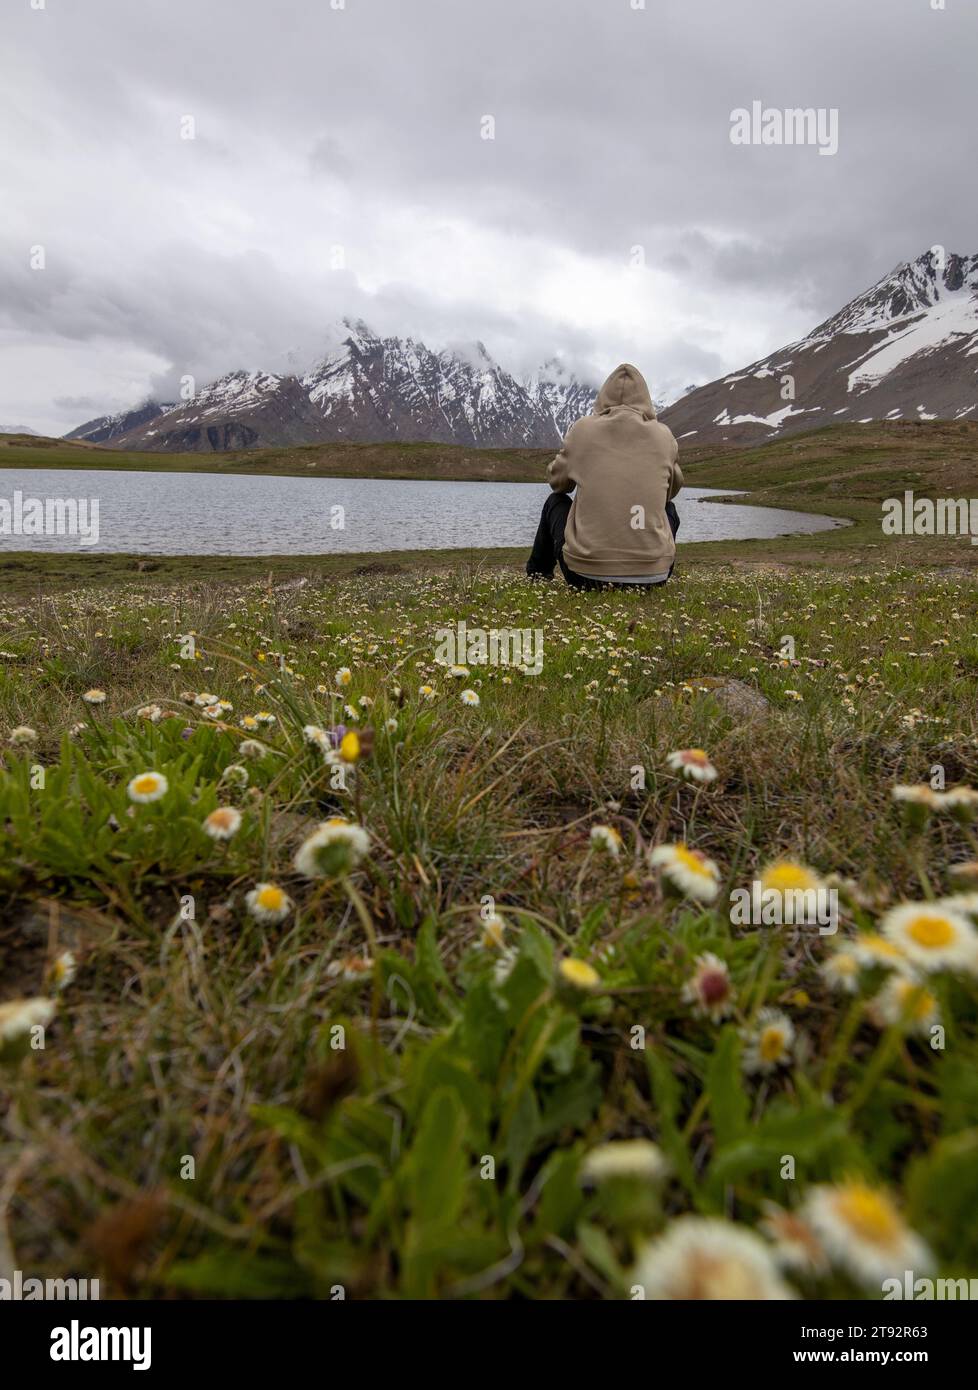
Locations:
(222, 514)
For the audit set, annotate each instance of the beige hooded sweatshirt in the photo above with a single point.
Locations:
(623, 463)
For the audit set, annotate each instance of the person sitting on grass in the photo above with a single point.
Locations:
(621, 526)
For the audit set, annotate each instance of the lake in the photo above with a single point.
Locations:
(225, 514)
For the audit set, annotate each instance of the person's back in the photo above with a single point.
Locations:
(623, 463)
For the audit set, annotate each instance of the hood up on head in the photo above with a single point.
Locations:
(625, 386)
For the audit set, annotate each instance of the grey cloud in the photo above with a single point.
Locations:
(362, 126)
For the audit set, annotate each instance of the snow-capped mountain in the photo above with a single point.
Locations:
(364, 389)
(106, 429)
(907, 349)
(16, 429)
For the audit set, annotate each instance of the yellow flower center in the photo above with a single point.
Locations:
(271, 897)
(693, 860)
(787, 875)
(931, 932)
(771, 1044)
(871, 1215)
(144, 785)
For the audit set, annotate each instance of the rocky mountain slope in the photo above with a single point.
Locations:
(368, 388)
(907, 349)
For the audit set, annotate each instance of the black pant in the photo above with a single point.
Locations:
(548, 545)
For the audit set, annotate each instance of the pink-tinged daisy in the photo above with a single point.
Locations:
(223, 823)
(796, 1246)
(709, 989)
(693, 763)
(148, 786)
(268, 903)
(691, 872)
(706, 1259)
(351, 968)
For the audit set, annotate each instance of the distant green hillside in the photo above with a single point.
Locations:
(432, 462)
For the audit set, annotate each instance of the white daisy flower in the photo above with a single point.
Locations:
(863, 1232)
(469, 697)
(701, 1258)
(64, 970)
(624, 1158)
(152, 713)
(693, 763)
(268, 903)
(769, 1042)
(841, 970)
(333, 848)
(904, 1000)
(23, 736)
(873, 951)
(17, 1018)
(94, 697)
(251, 748)
(148, 786)
(343, 677)
(493, 932)
(607, 839)
(931, 937)
(223, 823)
(688, 870)
(234, 775)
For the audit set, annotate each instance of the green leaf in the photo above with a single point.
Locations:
(729, 1105)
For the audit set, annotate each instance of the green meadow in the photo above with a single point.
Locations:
(330, 966)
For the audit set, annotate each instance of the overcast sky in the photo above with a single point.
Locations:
(360, 127)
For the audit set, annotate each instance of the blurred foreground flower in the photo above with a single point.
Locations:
(699, 1258)
(18, 1018)
(863, 1232)
(624, 1158)
(687, 870)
